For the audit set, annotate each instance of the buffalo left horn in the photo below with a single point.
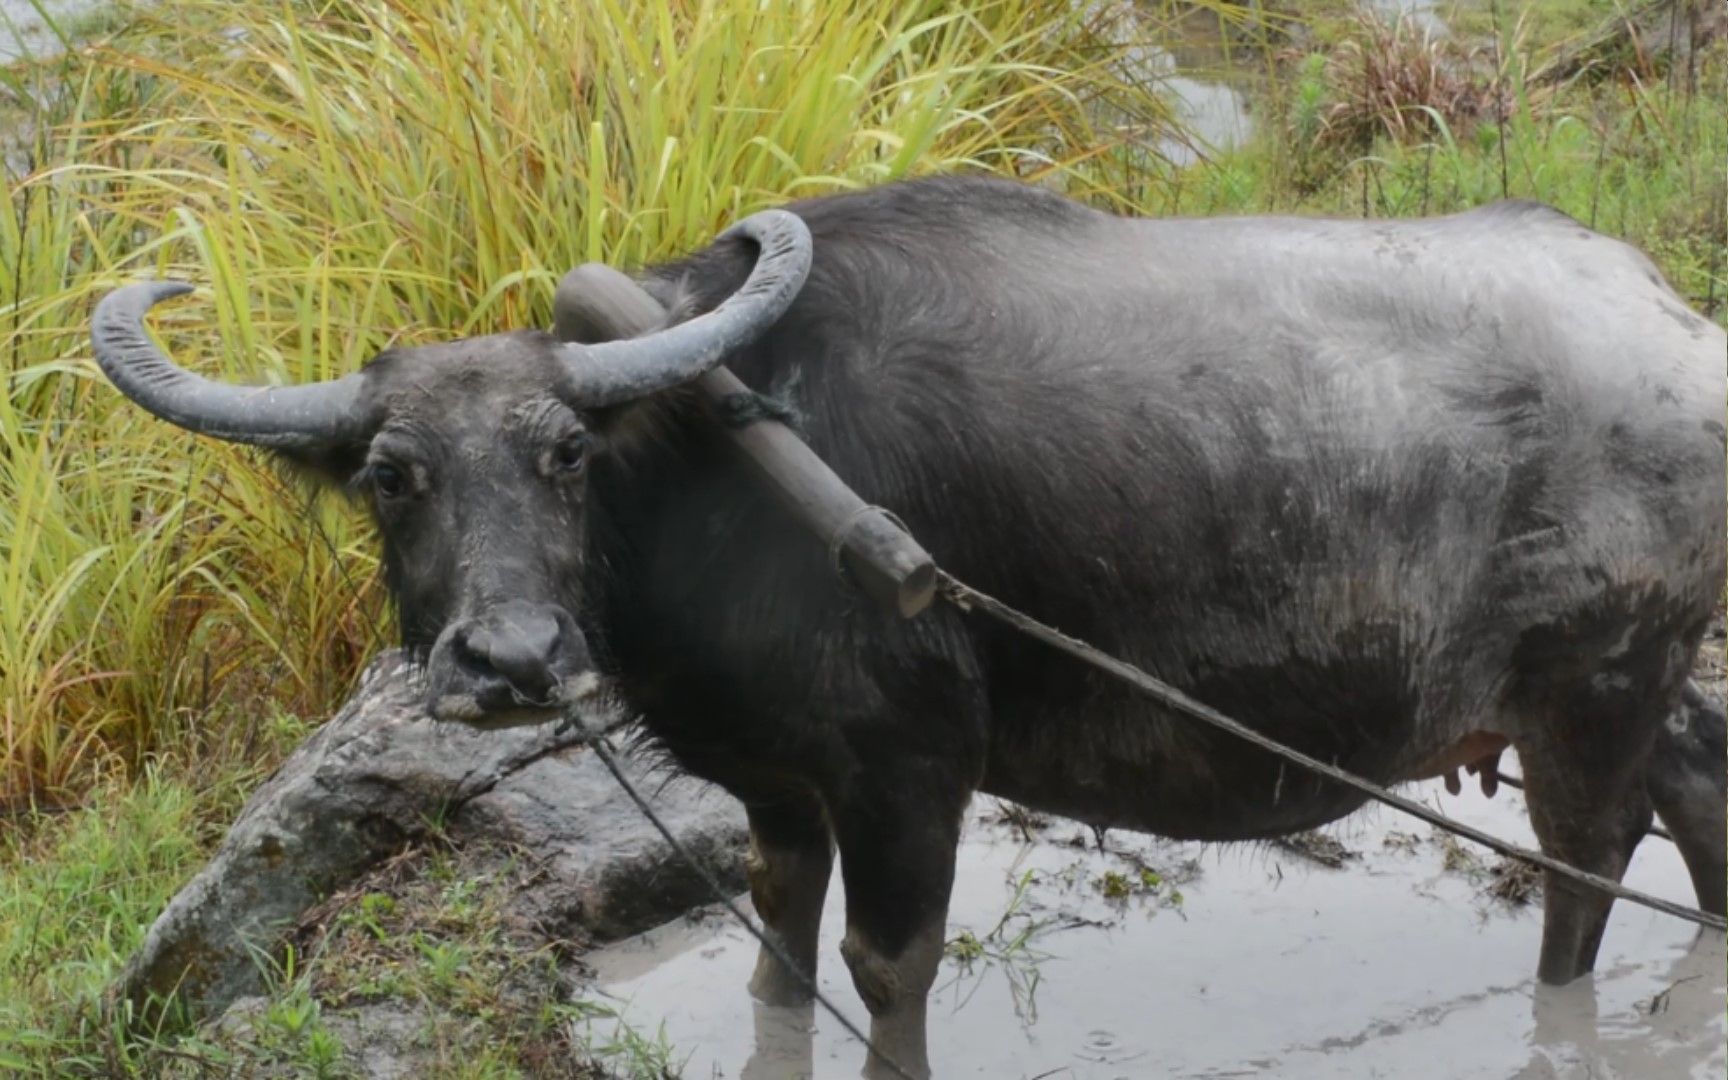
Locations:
(280, 416)
(617, 371)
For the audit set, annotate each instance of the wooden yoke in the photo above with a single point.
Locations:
(597, 303)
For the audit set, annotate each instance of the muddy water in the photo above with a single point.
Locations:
(1395, 964)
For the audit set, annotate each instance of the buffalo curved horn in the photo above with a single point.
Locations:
(280, 416)
(617, 371)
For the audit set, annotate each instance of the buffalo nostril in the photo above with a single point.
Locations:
(470, 654)
(518, 646)
(528, 671)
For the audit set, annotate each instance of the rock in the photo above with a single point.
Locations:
(608, 873)
(382, 1046)
(378, 776)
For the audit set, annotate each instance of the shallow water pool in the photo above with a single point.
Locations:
(1270, 963)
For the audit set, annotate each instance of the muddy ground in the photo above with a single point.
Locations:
(1376, 949)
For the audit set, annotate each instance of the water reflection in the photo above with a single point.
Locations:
(783, 1046)
(1670, 1033)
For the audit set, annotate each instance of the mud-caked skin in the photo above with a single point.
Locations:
(1396, 493)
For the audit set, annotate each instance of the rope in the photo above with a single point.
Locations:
(967, 598)
(603, 749)
(742, 409)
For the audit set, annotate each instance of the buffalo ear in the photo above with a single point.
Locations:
(324, 466)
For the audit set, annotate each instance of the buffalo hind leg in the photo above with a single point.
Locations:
(1689, 785)
(1595, 830)
(1585, 766)
(790, 861)
(897, 851)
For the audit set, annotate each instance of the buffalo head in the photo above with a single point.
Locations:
(474, 457)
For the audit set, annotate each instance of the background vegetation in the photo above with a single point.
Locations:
(339, 176)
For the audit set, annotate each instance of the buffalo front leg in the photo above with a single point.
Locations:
(790, 861)
(897, 850)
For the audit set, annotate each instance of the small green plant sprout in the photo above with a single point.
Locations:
(292, 1014)
(964, 948)
(444, 963)
(607, 1038)
(1153, 883)
(1140, 881)
(1007, 947)
(1116, 885)
(371, 914)
(322, 1053)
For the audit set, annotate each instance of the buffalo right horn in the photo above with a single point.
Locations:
(613, 372)
(279, 416)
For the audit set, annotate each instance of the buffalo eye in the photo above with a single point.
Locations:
(570, 454)
(389, 481)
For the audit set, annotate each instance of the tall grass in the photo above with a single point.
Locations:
(339, 176)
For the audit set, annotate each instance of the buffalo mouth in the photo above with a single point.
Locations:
(496, 708)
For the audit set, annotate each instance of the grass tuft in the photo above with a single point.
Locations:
(1394, 78)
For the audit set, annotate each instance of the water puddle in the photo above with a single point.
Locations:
(1087, 966)
(1191, 63)
(1214, 113)
(1423, 13)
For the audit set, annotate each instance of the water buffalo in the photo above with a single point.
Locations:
(1399, 493)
